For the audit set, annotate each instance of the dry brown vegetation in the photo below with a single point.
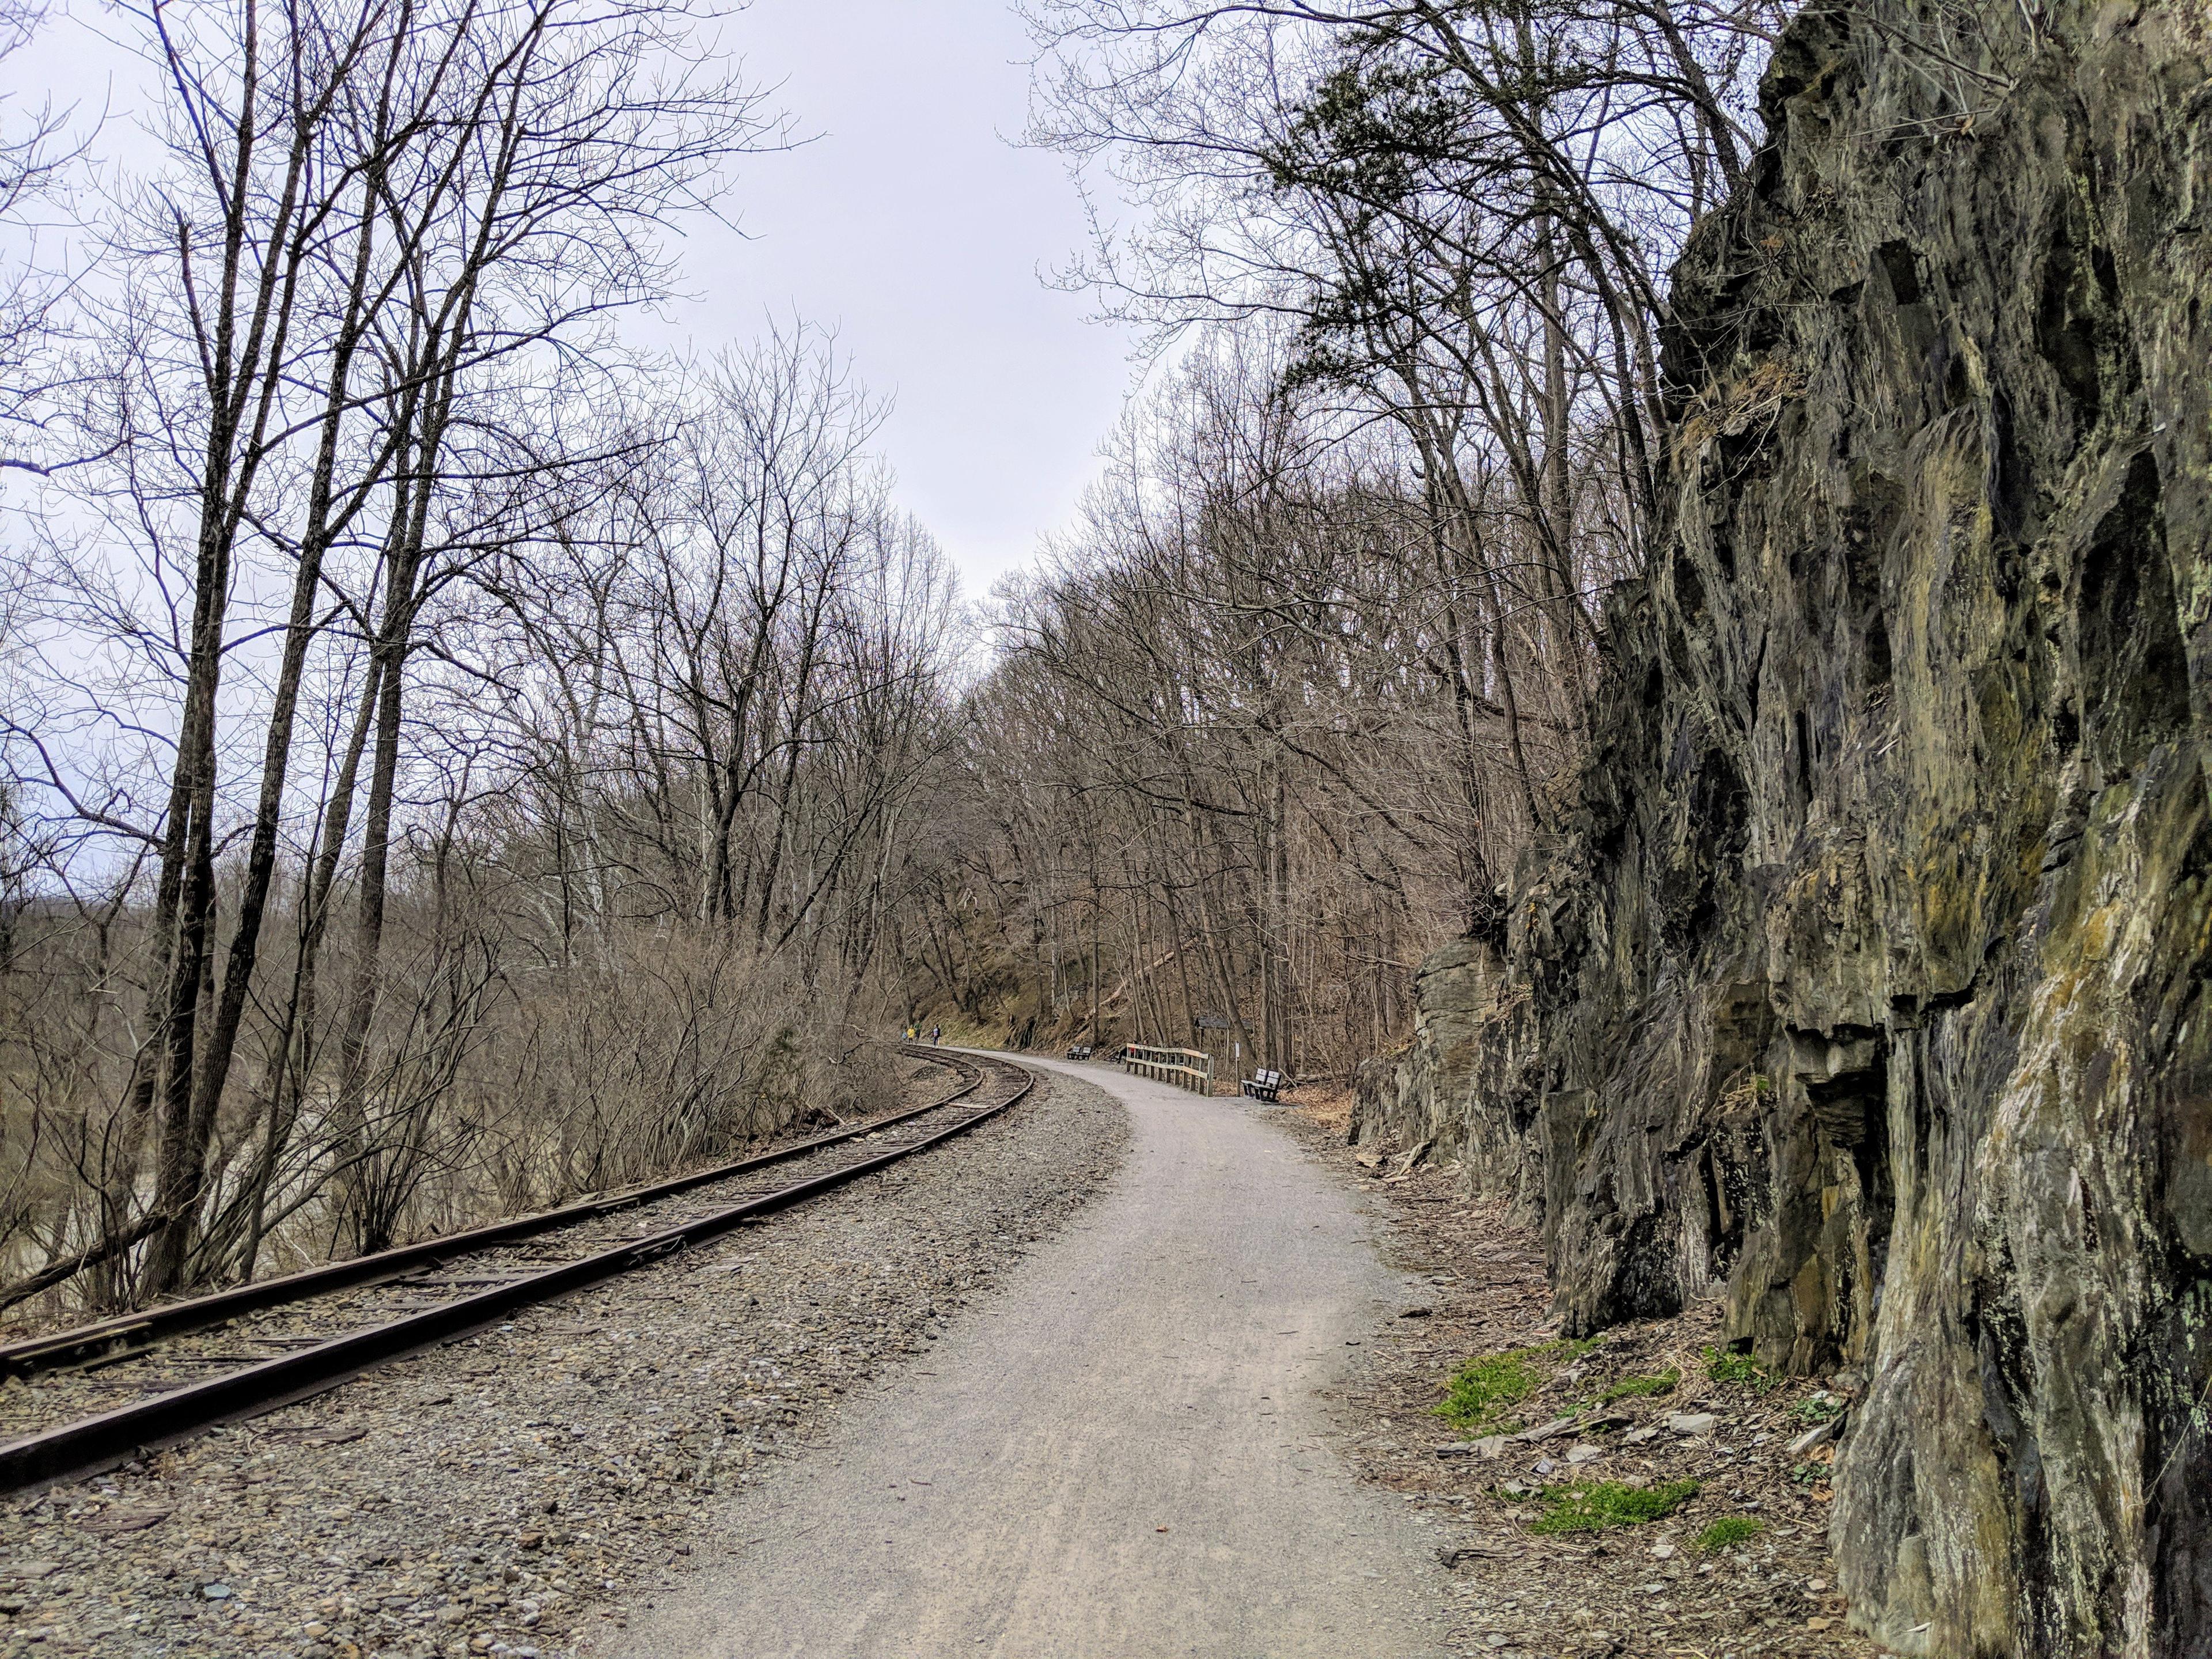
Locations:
(1740, 1566)
(1313, 670)
(452, 760)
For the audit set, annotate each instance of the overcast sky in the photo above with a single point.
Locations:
(919, 230)
(910, 224)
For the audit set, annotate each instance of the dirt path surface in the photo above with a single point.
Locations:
(1124, 1454)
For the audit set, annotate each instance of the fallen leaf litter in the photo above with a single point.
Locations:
(1528, 1511)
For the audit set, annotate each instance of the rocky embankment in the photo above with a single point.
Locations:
(1862, 989)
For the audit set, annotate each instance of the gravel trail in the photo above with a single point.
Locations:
(1126, 1454)
(516, 1492)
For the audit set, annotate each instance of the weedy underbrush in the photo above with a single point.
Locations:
(1641, 1387)
(1595, 1505)
(1817, 1408)
(1484, 1388)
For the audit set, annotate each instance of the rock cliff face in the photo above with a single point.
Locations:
(1866, 986)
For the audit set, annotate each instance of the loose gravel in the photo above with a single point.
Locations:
(50, 1399)
(520, 1491)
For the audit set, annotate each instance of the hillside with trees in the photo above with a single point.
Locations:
(1282, 711)
(1647, 617)
(456, 760)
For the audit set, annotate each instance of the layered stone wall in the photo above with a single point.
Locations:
(1864, 985)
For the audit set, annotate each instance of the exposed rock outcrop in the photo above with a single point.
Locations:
(1866, 986)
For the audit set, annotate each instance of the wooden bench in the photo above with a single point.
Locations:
(1080, 1051)
(1264, 1086)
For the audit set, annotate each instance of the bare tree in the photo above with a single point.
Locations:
(36, 159)
(1304, 683)
(353, 326)
(1203, 776)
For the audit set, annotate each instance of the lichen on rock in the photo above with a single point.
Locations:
(1864, 985)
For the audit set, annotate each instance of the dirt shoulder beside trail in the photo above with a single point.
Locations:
(523, 1491)
(1492, 1492)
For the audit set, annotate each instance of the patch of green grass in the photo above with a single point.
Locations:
(1593, 1505)
(1641, 1387)
(1723, 1366)
(1728, 1529)
(1484, 1388)
(1817, 1408)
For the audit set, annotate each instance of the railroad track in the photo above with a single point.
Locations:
(99, 1394)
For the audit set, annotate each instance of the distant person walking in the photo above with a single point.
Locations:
(936, 1034)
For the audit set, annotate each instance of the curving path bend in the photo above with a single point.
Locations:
(1121, 1455)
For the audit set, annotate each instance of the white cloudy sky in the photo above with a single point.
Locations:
(911, 224)
(916, 227)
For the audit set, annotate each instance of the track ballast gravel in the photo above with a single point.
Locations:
(518, 1491)
(49, 1400)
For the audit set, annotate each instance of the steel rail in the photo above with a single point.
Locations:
(93, 1443)
(59, 1350)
